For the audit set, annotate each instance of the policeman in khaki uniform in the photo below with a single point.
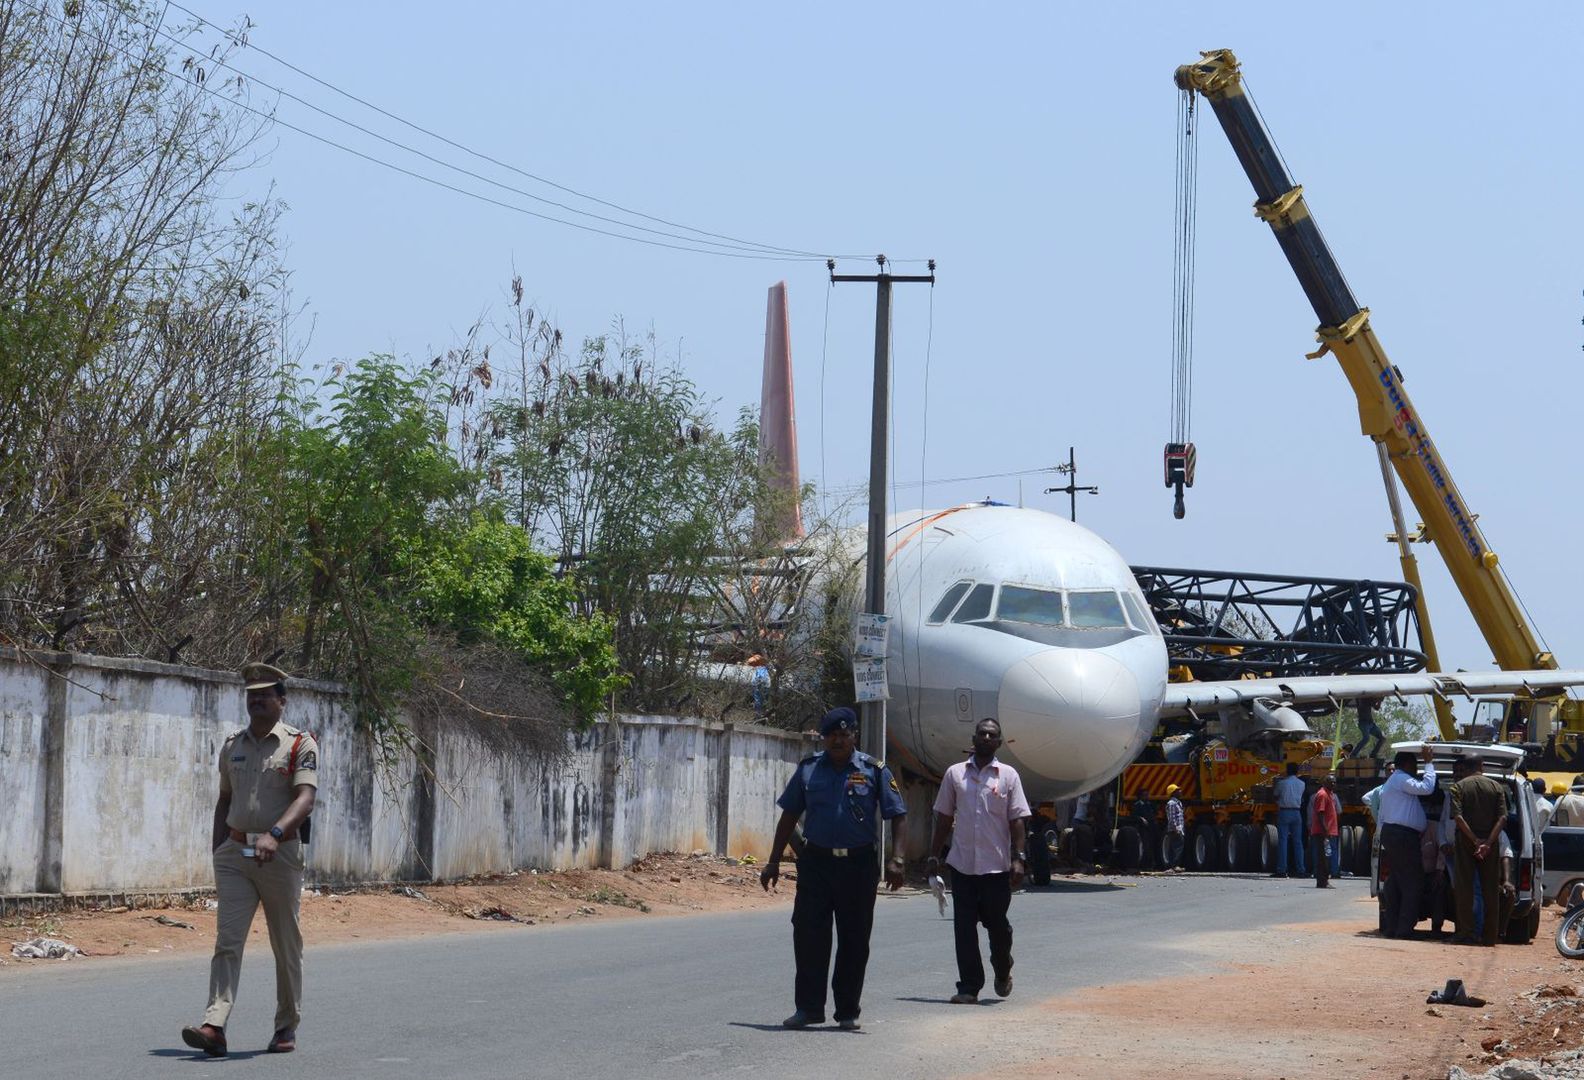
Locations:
(842, 796)
(269, 772)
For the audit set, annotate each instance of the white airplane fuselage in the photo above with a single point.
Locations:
(1020, 615)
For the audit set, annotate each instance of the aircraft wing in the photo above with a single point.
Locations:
(1183, 698)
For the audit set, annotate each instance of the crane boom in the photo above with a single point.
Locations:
(1386, 414)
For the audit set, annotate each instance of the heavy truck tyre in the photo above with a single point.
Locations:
(1127, 848)
(1266, 837)
(1204, 849)
(1039, 854)
(1163, 851)
(1361, 851)
(1345, 847)
(1082, 840)
(1247, 844)
(1149, 834)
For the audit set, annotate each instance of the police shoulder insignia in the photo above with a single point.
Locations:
(309, 760)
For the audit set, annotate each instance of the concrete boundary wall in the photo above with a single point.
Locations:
(108, 772)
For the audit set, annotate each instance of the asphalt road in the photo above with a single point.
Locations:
(686, 997)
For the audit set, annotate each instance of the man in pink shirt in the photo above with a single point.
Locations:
(981, 811)
(1323, 830)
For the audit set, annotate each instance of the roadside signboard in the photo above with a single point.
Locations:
(869, 679)
(871, 632)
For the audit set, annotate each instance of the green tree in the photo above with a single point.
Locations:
(1400, 721)
(397, 579)
(611, 462)
(484, 582)
(138, 349)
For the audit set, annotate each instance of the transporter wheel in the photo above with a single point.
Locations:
(1266, 837)
(1127, 848)
(1248, 848)
(1204, 848)
(1041, 839)
(1570, 934)
(1164, 855)
(1361, 850)
(1345, 847)
(1149, 836)
(1234, 847)
(1082, 839)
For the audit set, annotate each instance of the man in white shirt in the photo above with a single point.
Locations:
(1402, 824)
(1544, 807)
(981, 810)
(1569, 806)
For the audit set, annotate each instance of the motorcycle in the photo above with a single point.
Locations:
(1570, 934)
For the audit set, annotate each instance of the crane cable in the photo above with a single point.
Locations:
(1180, 456)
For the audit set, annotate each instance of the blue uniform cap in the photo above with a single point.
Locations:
(839, 719)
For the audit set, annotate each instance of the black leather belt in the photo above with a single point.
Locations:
(837, 852)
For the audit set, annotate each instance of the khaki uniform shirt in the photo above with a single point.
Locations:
(1480, 801)
(254, 773)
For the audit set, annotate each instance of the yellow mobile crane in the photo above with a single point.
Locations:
(1387, 416)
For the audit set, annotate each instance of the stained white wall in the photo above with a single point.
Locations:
(108, 769)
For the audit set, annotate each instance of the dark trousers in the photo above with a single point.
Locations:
(842, 889)
(1438, 886)
(981, 898)
(1289, 835)
(1488, 870)
(1404, 890)
(1317, 849)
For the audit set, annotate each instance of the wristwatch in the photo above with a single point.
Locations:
(1017, 856)
(277, 832)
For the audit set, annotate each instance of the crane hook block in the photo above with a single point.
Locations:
(1180, 461)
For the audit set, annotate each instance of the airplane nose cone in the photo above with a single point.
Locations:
(1074, 716)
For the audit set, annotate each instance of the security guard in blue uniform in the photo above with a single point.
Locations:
(843, 795)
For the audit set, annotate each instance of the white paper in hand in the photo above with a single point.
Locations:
(938, 887)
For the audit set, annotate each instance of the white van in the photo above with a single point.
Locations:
(1501, 763)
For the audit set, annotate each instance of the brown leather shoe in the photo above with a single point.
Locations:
(206, 1037)
(284, 1042)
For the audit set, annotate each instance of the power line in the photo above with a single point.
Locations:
(398, 144)
(745, 244)
(273, 119)
(954, 479)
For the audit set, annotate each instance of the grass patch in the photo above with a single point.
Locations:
(606, 895)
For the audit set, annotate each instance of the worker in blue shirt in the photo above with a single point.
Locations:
(842, 795)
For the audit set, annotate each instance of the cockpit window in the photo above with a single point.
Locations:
(1135, 607)
(949, 601)
(1019, 603)
(977, 606)
(1095, 609)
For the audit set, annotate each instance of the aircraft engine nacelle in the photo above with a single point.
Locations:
(1263, 726)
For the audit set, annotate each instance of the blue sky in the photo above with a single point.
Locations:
(1030, 150)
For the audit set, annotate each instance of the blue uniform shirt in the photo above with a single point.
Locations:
(842, 807)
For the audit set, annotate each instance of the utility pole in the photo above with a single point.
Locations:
(1070, 471)
(872, 726)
